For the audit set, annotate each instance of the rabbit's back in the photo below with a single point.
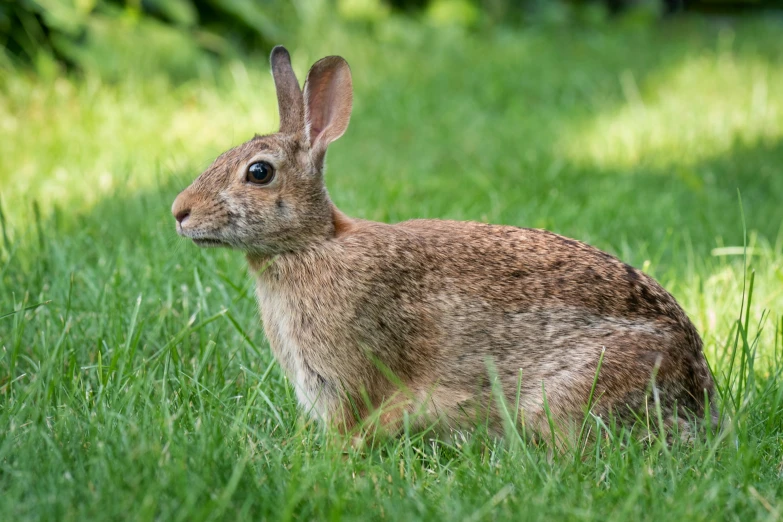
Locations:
(545, 305)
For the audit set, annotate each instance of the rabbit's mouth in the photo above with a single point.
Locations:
(207, 242)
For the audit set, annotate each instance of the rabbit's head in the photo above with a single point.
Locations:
(267, 195)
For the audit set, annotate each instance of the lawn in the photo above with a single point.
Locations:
(135, 379)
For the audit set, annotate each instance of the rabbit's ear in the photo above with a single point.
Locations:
(289, 96)
(328, 95)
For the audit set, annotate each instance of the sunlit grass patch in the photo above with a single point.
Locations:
(708, 93)
(677, 115)
(89, 139)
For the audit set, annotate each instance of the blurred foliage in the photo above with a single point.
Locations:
(118, 37)
(111, 36)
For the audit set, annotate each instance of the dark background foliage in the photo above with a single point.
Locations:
(101, 33)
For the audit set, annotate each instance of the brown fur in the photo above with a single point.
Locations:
(419, 317)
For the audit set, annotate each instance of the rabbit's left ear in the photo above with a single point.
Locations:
(328, 99)
(289, 96)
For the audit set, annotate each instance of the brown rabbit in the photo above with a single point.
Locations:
(424, 316)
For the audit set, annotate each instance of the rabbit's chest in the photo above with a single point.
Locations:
(293, 346)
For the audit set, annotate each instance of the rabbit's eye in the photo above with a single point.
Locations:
(260, 173)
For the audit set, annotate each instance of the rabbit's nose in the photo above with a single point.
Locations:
(182, 215)
(181, 208)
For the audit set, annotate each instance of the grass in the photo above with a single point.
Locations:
(135, 380)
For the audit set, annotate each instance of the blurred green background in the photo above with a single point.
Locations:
(134, 374)
(113, 37)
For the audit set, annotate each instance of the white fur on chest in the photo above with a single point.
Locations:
(277, 312)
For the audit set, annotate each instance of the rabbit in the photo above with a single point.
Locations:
(435, 321)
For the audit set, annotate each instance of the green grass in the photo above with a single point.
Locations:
(142, 387)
